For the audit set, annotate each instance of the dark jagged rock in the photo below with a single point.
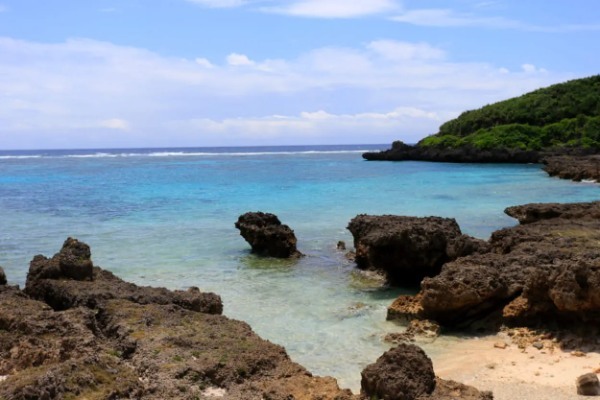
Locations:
(402, 373)
(112, 339)
(267, 235)
(406, 373)
(72, 262)
(547, 269)
(407, 249)
(465, 154)
(2, 277)
(63, 294)
(576, 168)
(540, 211)
(63, 282)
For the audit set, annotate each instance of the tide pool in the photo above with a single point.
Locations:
(164, 217)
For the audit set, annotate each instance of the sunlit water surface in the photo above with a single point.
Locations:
(164, 217)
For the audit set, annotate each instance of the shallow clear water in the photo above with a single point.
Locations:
(164, 217)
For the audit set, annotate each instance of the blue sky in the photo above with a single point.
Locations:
(156, 73)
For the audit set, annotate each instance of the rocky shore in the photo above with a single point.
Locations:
(535, 285)
(577, 168)
(544, 272)
(78, 331)
(466, 154)
(576, 164)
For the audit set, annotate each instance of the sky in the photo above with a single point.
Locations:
(174, 73)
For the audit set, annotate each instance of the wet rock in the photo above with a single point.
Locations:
(2, 277)
(341, 245)
(267, 235)
(576, 168)
(407, 249)
(588, 385)
(72, 262)
(402, 373)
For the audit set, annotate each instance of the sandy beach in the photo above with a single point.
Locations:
(513, 372)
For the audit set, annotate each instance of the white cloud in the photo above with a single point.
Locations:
(395, 50)
(204, 62)
(319, 126)
(449, 18)
(334, 8)
(87, 93)
(115, 123)
(235, 59)
(531, 69)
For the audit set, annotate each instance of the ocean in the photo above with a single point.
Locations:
(165, 217)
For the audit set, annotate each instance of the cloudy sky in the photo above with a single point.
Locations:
(157, 73)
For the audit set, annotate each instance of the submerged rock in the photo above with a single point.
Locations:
(407, 249)
(267, 235)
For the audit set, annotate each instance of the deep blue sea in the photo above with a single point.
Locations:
(165, 217)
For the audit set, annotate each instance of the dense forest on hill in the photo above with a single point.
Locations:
(562, 115)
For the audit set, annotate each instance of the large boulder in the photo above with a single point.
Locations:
(407, 249)
(402, 373)
(267, 235)
(73, 261)
(546, 269)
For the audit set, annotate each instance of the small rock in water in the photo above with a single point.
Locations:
(341, 245)
(588, 385)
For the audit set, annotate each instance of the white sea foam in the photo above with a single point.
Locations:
(187, 154)
(19, 157)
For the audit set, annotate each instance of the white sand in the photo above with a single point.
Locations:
(513, 373)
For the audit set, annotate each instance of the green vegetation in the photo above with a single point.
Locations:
(563, 115)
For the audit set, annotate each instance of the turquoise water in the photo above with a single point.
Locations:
(164, 217)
